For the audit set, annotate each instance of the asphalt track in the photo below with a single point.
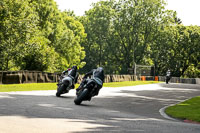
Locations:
(136, 109)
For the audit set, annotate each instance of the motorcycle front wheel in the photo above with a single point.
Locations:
(60, 90)
(81, 97)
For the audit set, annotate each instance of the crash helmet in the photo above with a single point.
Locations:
(74, 67)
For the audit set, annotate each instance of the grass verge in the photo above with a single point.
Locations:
(128, 83)
(187, 110)
(52, 86)
(27, 87)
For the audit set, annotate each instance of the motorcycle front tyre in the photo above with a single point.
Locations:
(81, 97)
(60, 90)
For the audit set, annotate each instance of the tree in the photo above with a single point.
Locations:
(34, 36)
(122, 32)
(65, 39)
(98, 25)
(18, 25)
(188, 48)
(176, 48)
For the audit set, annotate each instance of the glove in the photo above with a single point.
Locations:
(63, 72)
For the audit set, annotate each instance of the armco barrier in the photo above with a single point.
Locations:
(181, 80)
(1, 77)
(17, 77)
(197, 80)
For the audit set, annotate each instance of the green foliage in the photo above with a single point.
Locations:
(38, 56)
(64, 39)
(176, 48)
(18, 23)
(121, 33)
(34, 36)
(98, 26)
(115, 34)
(192, 71)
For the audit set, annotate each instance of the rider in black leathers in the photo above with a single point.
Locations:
(97, 79)
(73, 73)
(168, 76)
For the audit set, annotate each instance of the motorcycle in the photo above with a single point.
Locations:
(167, 79)
(86, 92)
(168, 76)
(64, 85)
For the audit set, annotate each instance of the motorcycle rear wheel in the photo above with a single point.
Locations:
(81, 97)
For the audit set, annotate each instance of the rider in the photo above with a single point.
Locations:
(72, 73)
(97, 77)
(168, 76)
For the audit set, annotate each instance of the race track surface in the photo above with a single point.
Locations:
(132, 109)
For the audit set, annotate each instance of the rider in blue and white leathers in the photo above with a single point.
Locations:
(97, 79)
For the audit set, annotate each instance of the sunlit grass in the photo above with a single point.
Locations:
(128, 83)
(52, 86)
(189, 110)
(27, 87)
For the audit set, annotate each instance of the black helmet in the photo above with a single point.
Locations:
(74, 67)
(100, 69)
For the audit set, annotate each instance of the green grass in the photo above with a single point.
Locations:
(187, 110)
(52, 86)
(27, 87)
(128, 83)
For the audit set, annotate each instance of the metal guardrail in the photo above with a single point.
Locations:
(19, 77)
(181, 80)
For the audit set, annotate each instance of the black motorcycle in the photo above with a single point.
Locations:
(64, 85)
(168, 76)
(167, 79)
(88, 91)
